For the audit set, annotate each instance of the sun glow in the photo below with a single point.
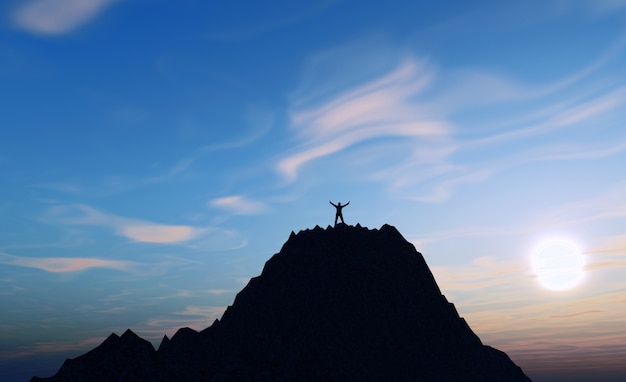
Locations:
(558, 264)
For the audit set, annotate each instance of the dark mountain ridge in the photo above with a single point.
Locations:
(335, 304)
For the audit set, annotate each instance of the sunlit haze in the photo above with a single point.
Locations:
(558, 264)
(154, 154)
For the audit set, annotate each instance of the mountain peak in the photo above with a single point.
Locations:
(340, 303)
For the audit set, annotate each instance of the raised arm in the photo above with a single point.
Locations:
(346, 203)
(332, 204)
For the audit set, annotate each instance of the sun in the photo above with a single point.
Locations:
(558, 264)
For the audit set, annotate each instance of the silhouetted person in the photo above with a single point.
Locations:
(339, 207)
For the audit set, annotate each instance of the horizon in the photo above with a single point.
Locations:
(155, 154)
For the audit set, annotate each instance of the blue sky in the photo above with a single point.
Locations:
(154, 154)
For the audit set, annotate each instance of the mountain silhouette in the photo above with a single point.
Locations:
(344, 303)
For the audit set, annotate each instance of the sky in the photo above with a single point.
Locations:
(155, 153)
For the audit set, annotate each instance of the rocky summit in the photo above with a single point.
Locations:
(344, 303)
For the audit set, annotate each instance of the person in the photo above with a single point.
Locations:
(338, 214)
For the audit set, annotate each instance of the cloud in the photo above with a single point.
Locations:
(239, 205)
(203, 238)
(609, 254)
(337, 111)
(609, 204)
(562, 329)
(587, 153)
(195, 317)
(564, 116)
(158, 233)
(603, 6)
(577, 313)
(382, 107)
(53, 347)
(65, 264)
(279, 16)
(206, 312)
(615, 245)
(481, 273)
(57, 17)
(565, 332)
(134, 229)
(615, 264)
(443, 190)
(522, 148)
(605, 205)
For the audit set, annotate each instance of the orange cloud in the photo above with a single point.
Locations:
(194, 317)
(134, 229)
(53, 347)
(64, 264)
(158, 233)
(239, 205)
(482, 272)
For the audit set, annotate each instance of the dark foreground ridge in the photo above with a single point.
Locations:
(337, 304)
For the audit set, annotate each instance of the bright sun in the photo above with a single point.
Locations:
(558, 263)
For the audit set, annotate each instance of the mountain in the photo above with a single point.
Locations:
(336, 304)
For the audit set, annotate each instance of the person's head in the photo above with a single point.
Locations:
(338, 203)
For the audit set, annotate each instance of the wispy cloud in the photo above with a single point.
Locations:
(575, 153)
(438, 177)
(564, 331)
(38, 348)
(205, 238)
(382, 107)
(600, 6)
(134, 229)
(612, 245)
(605, 205)
(207, 312)
(424, 107)
(561, 327)
(570, 115)
(239, 205)
(65, 264)
(153, 233)
(480, 273)
(57, 17)
(275, 20)
(195, 317)
(609, 204)
(443, 190)
(259, 122)
(608, 254)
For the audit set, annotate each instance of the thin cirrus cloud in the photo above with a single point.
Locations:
(546, 324)
(195, 317)
(382, 107)
(609, 254)
(615, 245)
(137, 230)
(543, 323)
(483, 272)
(608, 204)
(52, 347)
(413, 103)
(568, 117)
(57, 17)
(239, 205)
(152, 233)
(64, 264)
